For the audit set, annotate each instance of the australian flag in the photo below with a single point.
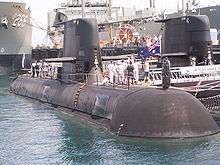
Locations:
(151, 51)
(155, 49)
(143, 52)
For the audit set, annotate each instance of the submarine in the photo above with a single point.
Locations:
(145, 112)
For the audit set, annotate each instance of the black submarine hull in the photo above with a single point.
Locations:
(142, 112)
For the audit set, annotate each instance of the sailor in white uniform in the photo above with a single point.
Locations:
(136, 72)
(33, 71)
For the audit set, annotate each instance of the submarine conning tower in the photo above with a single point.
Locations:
(81, 42)
(137, 112)
(186, 37)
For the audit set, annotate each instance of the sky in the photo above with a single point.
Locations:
(39, 9)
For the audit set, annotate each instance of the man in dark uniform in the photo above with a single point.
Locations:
(166, 74)
(33, 69)
(37, 68)
(130, 71)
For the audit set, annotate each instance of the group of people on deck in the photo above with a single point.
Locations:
(125, 72)
(41, 69)
(140, 41)
(208, 61)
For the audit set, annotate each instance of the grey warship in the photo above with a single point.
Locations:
(15, 36)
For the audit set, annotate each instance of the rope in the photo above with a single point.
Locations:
(197, 87)
(36, 26)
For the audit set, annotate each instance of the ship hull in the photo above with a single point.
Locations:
(15, 36)
(10, 64)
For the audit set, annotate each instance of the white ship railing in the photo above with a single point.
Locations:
(187, 74)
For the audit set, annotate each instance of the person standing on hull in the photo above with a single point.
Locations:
(166, 74)
(45, 69)
(37, 68)
(115, 73)
(209, 60)
(111, 72)
(33, 69)
(146, 70)
(136, 72)
(41, 65)
(130, 71)
(193, 61)
(50, 71)
(121, 72)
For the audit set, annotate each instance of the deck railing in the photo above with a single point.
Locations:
(187, 74)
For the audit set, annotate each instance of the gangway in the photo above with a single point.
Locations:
(187, 74)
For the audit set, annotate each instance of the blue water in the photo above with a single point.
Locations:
(35, 133)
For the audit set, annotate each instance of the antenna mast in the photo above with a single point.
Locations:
(183, 7)
(110, 9)
(83, 8)
(152, 4)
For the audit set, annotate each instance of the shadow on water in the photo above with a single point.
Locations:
(87, 145)
(165, 151)
(4, 81)
(34, 133)
(4, 84)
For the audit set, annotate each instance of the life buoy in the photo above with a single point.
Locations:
(125, 33)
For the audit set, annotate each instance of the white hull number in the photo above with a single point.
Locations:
(19, 20)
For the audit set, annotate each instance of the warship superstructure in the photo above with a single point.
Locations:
(101, 10)
(15, 36)
(142, 21)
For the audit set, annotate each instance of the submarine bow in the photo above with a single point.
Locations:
(161, 113)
